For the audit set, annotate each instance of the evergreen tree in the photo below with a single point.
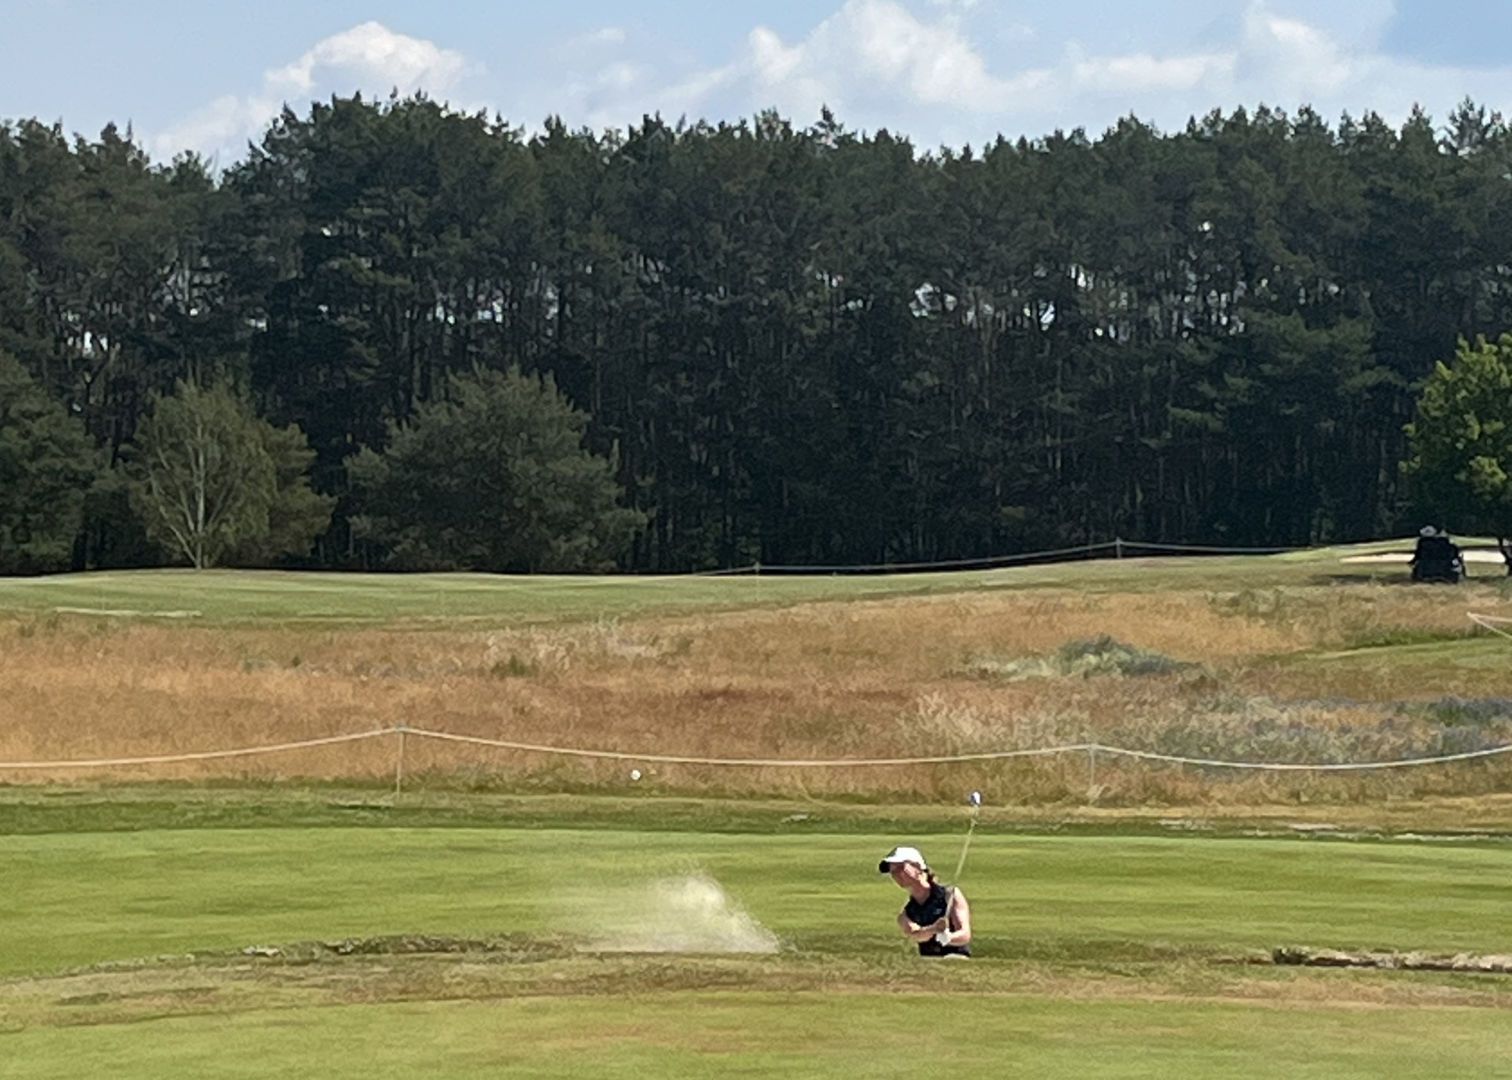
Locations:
(297, 515)
(46, 467)
(494, 478)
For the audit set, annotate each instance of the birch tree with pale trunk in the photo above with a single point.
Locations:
(203, 481)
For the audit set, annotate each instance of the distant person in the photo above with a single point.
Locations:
(936, 916)
(1437, 558)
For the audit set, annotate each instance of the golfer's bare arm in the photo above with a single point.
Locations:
(914, 932)
(960, 920)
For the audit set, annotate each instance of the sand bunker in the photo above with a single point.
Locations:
(1474, 555)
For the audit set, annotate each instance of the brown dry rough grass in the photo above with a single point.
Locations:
(1311, 670)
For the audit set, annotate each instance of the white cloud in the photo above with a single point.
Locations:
(1141, 72)
(607, 35)
(371, 52)
(225, 123)
(1295, 60)
(774, 62)
(927, 71)
(620, 76)
(369, 57)
(934, 61)
(941, 71)
(868, 52)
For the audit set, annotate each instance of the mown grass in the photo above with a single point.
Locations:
(81, 898)
(138, 807)
(783, 1035)
(1095, 956)
(420, 600)
(222, 597)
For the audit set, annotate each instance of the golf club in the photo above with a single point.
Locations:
(974, 800)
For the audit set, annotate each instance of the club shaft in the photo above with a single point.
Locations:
(965, 847)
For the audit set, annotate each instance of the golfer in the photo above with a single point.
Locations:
(936, 916)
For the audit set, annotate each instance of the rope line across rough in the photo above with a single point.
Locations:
(1489, 622)
(774, 763)
(205, 755)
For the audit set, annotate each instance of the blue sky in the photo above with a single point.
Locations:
(206, 76)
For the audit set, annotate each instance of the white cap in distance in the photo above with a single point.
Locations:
(902, 855)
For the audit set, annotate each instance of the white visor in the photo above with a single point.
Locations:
(902, 855)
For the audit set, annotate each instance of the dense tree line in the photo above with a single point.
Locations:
(788, 344)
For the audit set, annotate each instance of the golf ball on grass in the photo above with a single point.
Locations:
(635, 774)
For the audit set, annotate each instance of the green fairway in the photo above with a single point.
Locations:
(1096, 955)
(769, 1035)
(230, 596)
(1484, 654)
(274, 597)
(86, 898)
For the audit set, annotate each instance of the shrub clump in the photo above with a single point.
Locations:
(1456, 711)
(1100, 656)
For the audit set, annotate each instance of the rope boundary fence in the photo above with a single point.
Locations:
(204, 755)
(1090, 748)
(1493, 623)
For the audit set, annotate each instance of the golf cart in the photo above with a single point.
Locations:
(1437, 558)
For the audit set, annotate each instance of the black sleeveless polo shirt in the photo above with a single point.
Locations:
(923, 912)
